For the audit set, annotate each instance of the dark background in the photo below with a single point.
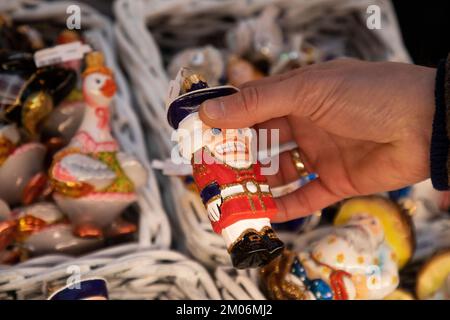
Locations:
(425, 27)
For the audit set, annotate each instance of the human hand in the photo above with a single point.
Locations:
(364, 127)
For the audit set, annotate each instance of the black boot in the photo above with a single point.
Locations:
(273, 244)
(249, 252)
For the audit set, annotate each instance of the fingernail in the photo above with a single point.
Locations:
(214, 109)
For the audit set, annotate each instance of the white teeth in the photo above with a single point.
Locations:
(230, 147)
(240, 147)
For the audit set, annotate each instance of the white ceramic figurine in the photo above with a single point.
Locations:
(359, 259)
(93, 180)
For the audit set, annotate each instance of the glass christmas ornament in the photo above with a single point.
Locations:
(237, 197)
(93, 180)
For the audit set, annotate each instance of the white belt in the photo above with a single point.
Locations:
(249, 187)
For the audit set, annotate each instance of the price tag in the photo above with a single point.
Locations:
(61, 53)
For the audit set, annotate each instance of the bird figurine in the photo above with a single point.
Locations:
(93, 181)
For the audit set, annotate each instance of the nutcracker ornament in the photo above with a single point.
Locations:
(237, 197)
(93, 180)
(87, 289)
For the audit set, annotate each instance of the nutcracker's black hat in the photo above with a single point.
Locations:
(81, 290)
(197, 91)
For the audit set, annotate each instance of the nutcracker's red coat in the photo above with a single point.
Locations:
(207, 169)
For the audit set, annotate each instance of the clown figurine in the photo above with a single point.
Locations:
(237, 197)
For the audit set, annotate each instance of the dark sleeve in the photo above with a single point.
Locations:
(439, 151)
(210, 191)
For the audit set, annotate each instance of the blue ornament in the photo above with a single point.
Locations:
(399, 194)
(318, 287)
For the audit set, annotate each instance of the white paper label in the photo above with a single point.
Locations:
(61, 53)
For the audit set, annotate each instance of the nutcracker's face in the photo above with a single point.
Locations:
(231, 146)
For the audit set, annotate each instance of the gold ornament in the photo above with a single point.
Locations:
(36, 108)
(191, 80)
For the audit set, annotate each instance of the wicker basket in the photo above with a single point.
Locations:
(143, 274)
(238, 284)
(24, 280)
(140, 34)
(142, 31)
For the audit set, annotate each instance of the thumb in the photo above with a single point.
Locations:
(254, 104)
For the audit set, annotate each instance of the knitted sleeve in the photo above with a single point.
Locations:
(439, 151)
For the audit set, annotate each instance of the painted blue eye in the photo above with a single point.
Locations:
(216, 131)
